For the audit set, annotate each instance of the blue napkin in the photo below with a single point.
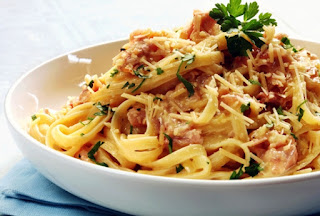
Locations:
(24, 191)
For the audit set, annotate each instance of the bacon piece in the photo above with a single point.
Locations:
(137, 117)
(278, 152)
(201, 27)
(275, 99)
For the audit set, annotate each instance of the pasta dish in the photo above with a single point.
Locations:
(225, 97)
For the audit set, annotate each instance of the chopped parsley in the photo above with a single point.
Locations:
(300, 111)
(131, 85)
(179, 168)
(170, 142)
(138, 86)
(237, 175)
(157, 98)
(269, 125)
(253, 169)
(159, 71)
(115, 71)
(82, 134)
(131, 128)
(280, 111)
(108, 86)
(287, 44)
(294, 136)
(226, 16)
(136, 72)
(255, 82)
(189, 59)
(93, 151)
(33, 117)
(103, 109)
(91, 84)
(90, 120)
(245, 107)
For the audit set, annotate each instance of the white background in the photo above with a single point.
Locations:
(36, 30)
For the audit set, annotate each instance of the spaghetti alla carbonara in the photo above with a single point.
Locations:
(216, 99)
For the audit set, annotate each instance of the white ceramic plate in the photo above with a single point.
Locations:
(49, 85)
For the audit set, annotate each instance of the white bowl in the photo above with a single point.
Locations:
(49, 85)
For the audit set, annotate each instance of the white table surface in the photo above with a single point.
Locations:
(36, 30)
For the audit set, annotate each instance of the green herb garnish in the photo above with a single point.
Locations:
(157, 98)
(287, 44)
(90, 120)
(226, 16)
(91, 84)
(245, 107)
(82, 134)
(138, 86)
(115, 71)
(103, 109)
(33, 117)
(131, 128)
(300, 111)
(108, 85)
(179, 168)
(237, 175)
(269, 125)
(255, 82)
(280, 111)
(253, 169)
(136, 72)
(189, 59)
(294, 136)
(170, 142)
(159, 71)
(93, 151)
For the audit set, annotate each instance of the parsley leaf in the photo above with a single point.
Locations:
(131, 128)
(159, 71)
(250, 11)
(265, 19)
(91, 84)
(253, 169)
(294, 136)
(235, 8)
(138, 86)
(33, 117)
(89, 118)
(300, 110)
(82, 134)
(300, 114)
(93, 151)
(115, 71)
(287, 44)
(157, 98)
(245, 107)
(269, 125)
(125, 85)
(136, 72)
(179, 168)
(108, 86)
(170, 142)
(226, 16)
(103, 109)
(238, 46)
(237, 175)
(189, 59)
(254, 82)
(280, 111)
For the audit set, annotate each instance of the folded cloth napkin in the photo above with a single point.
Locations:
(24, 191)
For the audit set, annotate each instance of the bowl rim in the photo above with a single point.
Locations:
(140, 176)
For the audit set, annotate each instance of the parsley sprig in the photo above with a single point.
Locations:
(91, 153)
(189, 59)
(170, 142)
(226, 16)
(252, 170)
